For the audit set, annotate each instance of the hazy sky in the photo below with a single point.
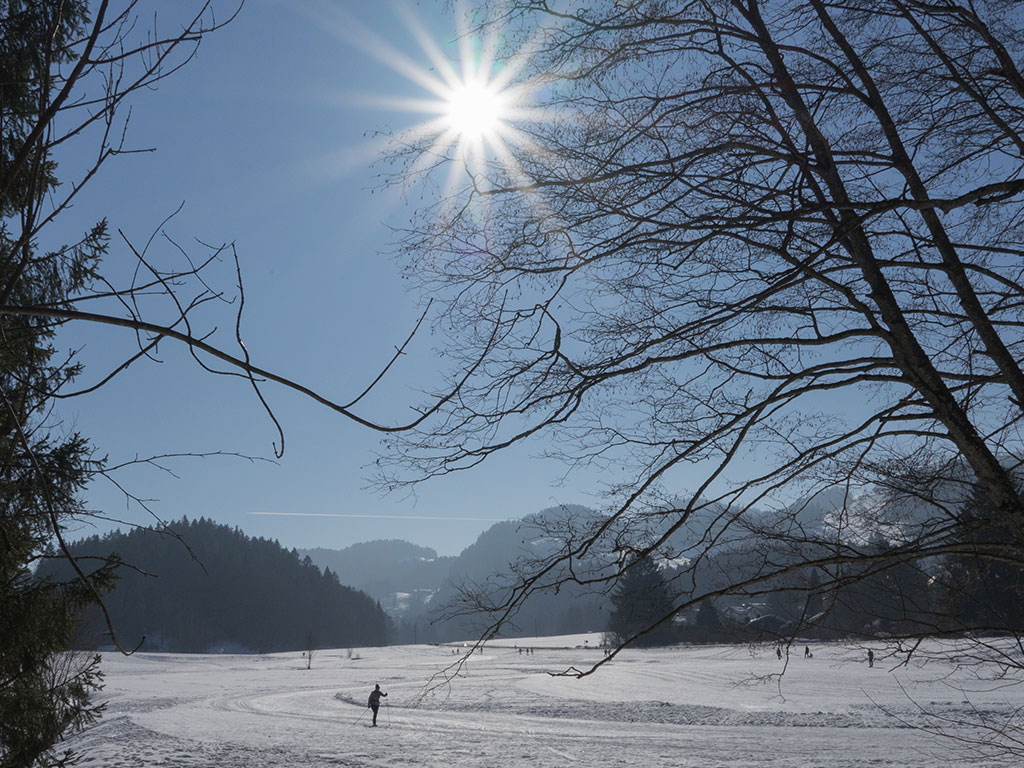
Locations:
(267, 137)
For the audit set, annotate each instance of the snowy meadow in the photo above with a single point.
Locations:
(719, 705)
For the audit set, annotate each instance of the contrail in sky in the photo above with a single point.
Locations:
(383, 517)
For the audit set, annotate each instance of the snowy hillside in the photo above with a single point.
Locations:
(695, 706)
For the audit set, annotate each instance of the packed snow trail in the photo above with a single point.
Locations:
(694, 706)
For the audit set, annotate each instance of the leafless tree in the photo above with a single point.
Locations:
(777, 245)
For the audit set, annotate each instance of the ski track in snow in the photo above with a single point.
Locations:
(687, 706)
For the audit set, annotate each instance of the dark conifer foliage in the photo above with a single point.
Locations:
(640, 601)
(707, 625)
(985, 584)
(209, 587)
(43, 690)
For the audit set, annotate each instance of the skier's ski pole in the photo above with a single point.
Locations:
(387, 705)
(360, 717)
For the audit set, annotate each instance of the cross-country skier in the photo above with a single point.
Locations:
(374, 702)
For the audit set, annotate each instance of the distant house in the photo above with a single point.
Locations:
(744, 613)
(770, 624)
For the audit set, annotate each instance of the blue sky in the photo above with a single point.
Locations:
(267, 139)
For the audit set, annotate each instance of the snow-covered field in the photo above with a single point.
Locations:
(689, 706)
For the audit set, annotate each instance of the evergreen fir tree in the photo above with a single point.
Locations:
(707, 624)
(44, 689)
(986, 586)
(641, 598)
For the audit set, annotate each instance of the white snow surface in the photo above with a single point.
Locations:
(721, 705)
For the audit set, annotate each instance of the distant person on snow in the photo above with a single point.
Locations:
(374, 702)
(871, 658)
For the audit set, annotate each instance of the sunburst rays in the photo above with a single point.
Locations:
(474, 106)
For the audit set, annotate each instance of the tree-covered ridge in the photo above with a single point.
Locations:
(207, 587)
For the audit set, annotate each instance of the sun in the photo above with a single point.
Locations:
(477, 110)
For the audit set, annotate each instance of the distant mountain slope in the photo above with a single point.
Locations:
(487, 562)
(414, 584)
(385, 568)
(236, 593)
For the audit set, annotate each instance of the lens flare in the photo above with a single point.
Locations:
(476, 110)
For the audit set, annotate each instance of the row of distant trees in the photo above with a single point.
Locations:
(200, 586)
(955, 595)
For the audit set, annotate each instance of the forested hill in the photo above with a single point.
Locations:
(217, 589)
